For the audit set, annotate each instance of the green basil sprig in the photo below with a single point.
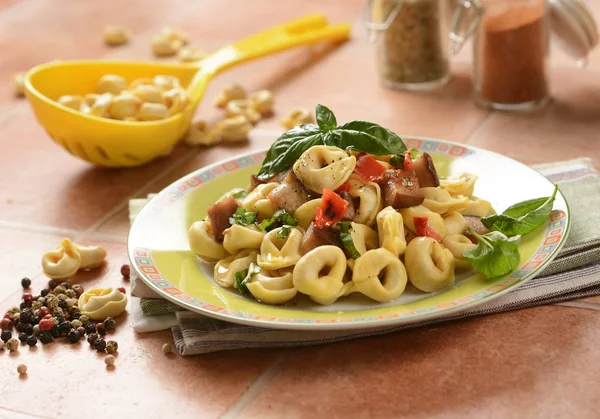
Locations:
(242, 277)
(346, 239)
(522, 218)
(398, 159)
(243, 217)
(495, 254)
(240, 193)
(357, 135)
(284, 232)
(280, 217)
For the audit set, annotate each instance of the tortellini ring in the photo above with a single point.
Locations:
(305, 214)
(434, 220)
(278, 253)
(391, 231)
(324, 167)
(272, 287)
(363, 237)
(379, 275)
(238, 237)
(202, 243)
(477, 207)
(457, 244)
(440, 201)
(429, 266)
(455, 223)
(459, 184)
(369, 200)
(257, 200)
(225, 269)
(320, 274)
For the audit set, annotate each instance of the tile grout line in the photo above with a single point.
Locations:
(479, 127)
(255, 388)
(36, 228)
(25, 415)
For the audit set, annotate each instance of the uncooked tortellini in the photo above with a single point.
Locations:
(369, 200)
(257, 200)
(363, 237)
(324, 167)
(434, 220)
(457, 244)
(225, 269)
(440, 201)
(305, 214)
(238, 237)
(278, 253)
(391, 231)
(272, 287)
(370, 266)
(320, 274)
(429, 266)
(460, 184)
(203, 244)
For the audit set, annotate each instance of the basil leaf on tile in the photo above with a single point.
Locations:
(495, 254)
(325, 118)
(522, 218)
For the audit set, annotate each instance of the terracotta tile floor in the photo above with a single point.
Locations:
(540, 362)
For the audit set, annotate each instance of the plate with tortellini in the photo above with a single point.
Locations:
(340, 226)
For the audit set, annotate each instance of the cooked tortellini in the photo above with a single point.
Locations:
(257, 200)
(272, 287)
(434, 220)
(455, 222)
(369, 200)
(440, 201)
(305, 214)
(320, 274)
(237, 238)
(225, 269)
(457, 244)
(324, 167)
(478, 207)
(363, 237)
(202, 243)
(375, 264)
(391, 231)
(461, 184)
(279, 253)
(429, 266)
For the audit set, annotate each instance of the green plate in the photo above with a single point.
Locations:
(159, 252)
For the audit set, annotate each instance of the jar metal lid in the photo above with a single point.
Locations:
(574, 28)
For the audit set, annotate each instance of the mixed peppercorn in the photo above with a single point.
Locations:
(52, 315)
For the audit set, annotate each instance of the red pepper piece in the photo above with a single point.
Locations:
(408, 161)
(368, 168)
(332, 209)
(344, 187)
(424, 229)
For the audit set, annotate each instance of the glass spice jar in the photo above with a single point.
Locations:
(412, 46)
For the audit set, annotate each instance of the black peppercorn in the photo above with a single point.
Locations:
(26, 316)
(92, 338)
(74, 336)
(55, 332)
(46, 337)
(62, 304)
(25, 282)
(19, 327)
(100, 345)
(74, 314)
(60, 318)
(66, 285)
(23, 337)
(64, 328)
(31, 340)
(53, 283)
(109, 323)
(36, 320)
(81, 330)
(23, 305)
(6, 335)
(100, 329)
(28, 329)
(44, 292)
(90, 328)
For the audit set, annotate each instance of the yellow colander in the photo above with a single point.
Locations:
(113, 143)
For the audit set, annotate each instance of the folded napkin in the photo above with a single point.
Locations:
(574, 274)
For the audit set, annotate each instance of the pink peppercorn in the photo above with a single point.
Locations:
(122, 289)
(27, 298)
(43, 312)
(46, 325)
(6, 324)
(47, 316)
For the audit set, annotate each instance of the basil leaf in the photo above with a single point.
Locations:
(397, 160)
(374, 139)
(288, 148)
(243, 217)
(284, 232)
(242, 278)
(280, 217)
(495, 254)
(325, 118)
(522, 218)
(240, 194)
(414, 153)
(346, 239)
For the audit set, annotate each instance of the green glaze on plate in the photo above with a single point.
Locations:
(159, 251)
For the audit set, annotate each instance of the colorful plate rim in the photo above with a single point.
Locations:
(141, 260)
